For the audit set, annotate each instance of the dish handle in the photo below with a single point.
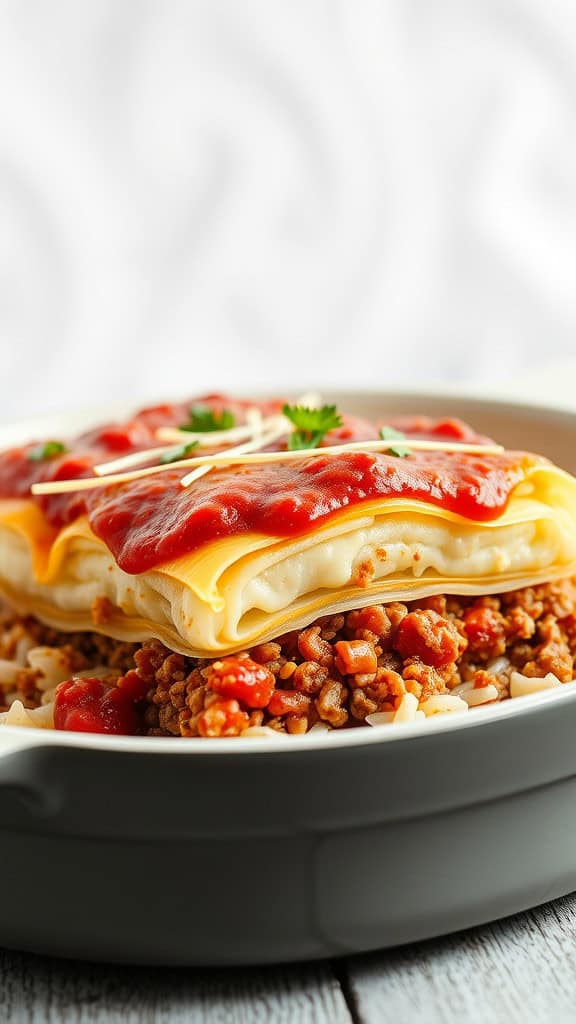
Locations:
(22, 789)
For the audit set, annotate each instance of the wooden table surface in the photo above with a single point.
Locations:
(522, 969)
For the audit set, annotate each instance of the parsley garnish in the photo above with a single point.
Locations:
(312, 425)
(203, 418)
(175, 454)
(390, 434)
(48, 450)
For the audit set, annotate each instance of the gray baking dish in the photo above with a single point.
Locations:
(248, 851)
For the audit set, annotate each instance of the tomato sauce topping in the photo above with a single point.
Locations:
(152, 520)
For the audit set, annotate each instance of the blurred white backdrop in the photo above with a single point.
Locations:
(210, 194)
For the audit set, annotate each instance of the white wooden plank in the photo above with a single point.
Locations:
(39, 990)
(520, 970)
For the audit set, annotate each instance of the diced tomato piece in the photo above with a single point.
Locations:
(355, 657)
(91, 705)
(222, 718)
(286, 702)
(242, 679)
(485, 629)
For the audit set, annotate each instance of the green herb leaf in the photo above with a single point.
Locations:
(175, 454)
(311, 425)
(203, 418)
(390, 434)
(48, 450)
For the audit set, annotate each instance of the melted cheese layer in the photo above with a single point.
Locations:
(242, 590)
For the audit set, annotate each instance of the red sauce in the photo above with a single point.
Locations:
(92, 705)
(150, 521)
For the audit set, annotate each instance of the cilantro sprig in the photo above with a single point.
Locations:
(311, 425)
(203, 419)
(175, 454)
(391, 434)
(47, 450)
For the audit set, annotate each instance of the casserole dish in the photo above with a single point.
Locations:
(147, 850)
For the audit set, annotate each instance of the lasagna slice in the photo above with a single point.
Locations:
(269, 542)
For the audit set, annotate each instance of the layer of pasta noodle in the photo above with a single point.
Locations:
(238, 591)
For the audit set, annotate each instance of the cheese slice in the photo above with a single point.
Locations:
(242, 590)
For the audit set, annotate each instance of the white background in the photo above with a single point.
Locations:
(213, 193)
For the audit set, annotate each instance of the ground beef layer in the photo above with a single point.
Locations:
(338, 671)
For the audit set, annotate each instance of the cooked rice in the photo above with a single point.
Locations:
(522, 686)
(443, 704)
(485, 695)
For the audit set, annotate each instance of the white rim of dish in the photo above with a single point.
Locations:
(14, 738)
(82, 417)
